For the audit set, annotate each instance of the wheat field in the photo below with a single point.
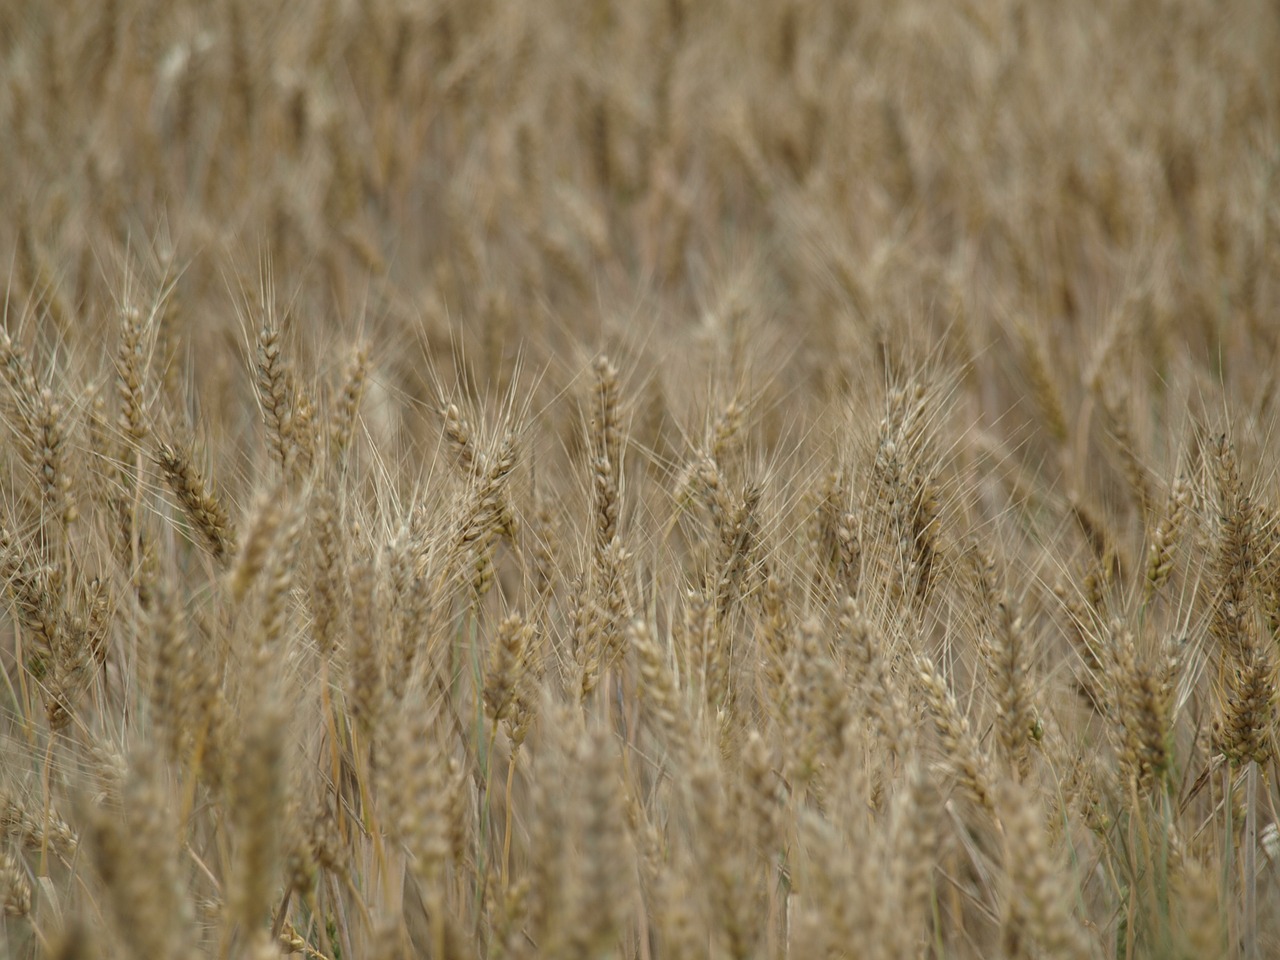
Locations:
(685, 479)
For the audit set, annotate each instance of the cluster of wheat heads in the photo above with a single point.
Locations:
(643, 480)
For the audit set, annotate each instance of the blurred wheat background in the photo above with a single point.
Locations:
(649, 480)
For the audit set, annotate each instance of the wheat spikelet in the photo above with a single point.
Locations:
(346, 410)
(328, 568)
(132, 849)
(738, 546)
(458, 432)
(599, 887)
(508, 659)
(198, 500)
(1245, 726)
(51, 460)
(660, 694)
(35, 831)
(1165, 538)
(885, 701)
(286, 412)
(819, 705)
(486, 513)
(960, 747)
(256, 805)
(765, 792)
(1035, 910)
(34, 593)
(171, 675)
(133, 361)
(1006, 650)
(366, 672)
(723, 862)
(255, 550)
(914, 847)
(1116, 408)
(16, 895)
(1044, 389)
(1232, 625)
(1143, 710)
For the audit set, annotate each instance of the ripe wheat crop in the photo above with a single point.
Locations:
(698, 479)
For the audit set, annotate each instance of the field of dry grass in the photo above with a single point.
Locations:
(648, 480)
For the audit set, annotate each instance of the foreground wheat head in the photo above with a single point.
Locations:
(639, 480)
